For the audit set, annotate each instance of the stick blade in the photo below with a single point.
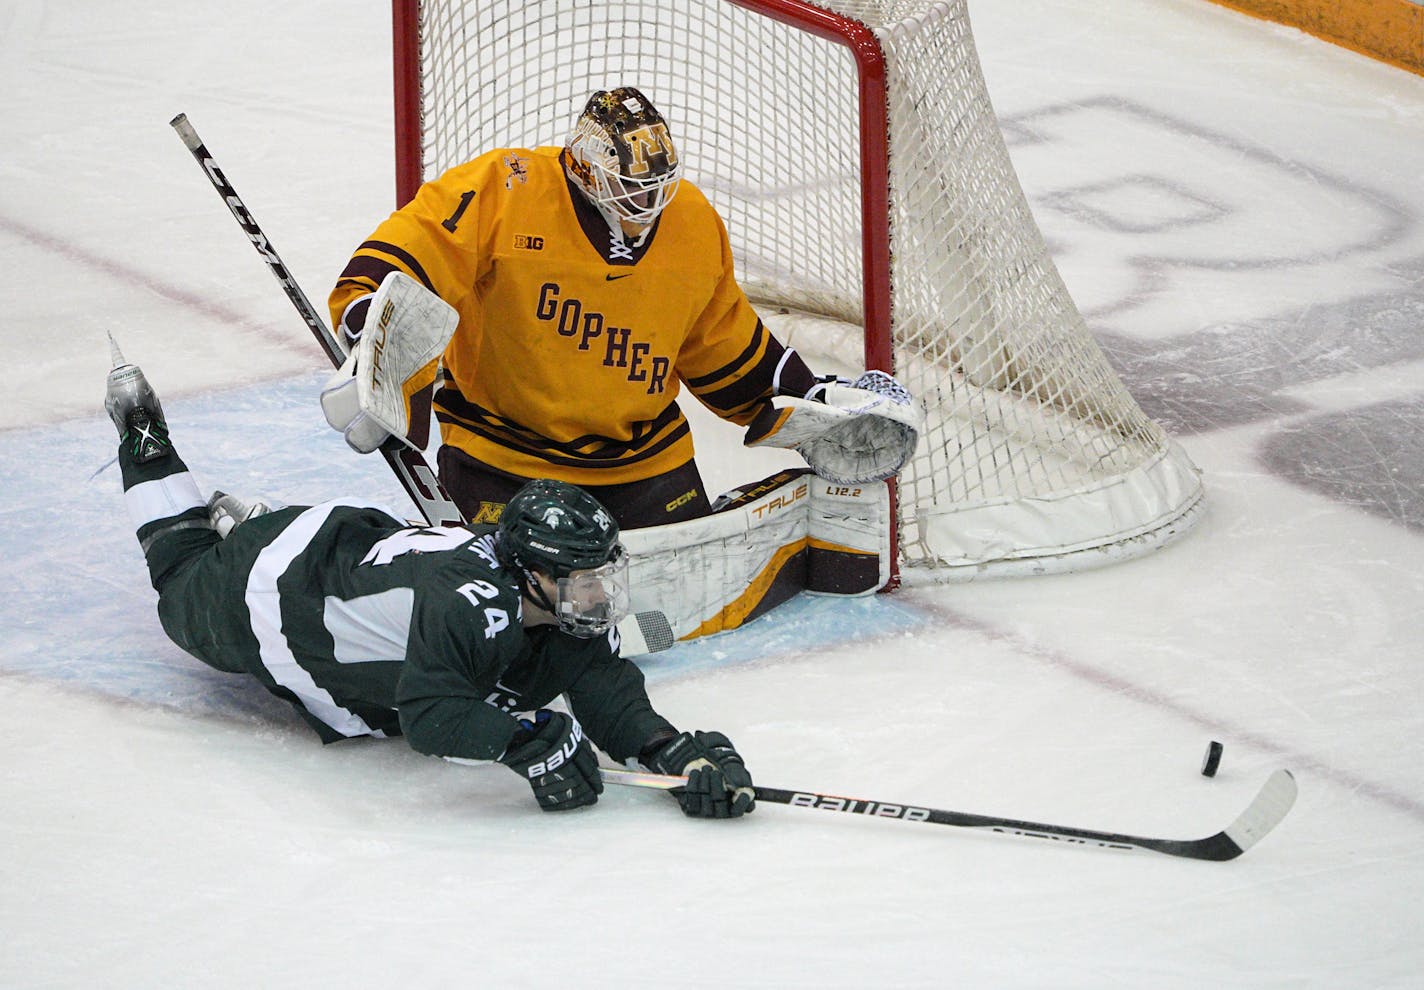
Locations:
(1275, 799)
(1272, 802)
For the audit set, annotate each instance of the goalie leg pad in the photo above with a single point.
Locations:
(848, 532)
(714, 573)
(761, 547)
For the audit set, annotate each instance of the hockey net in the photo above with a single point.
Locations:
(852, 151)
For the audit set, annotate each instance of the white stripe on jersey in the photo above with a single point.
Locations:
(153, 500)
(264, 606)
(371, 627)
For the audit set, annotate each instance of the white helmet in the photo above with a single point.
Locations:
(621, 156)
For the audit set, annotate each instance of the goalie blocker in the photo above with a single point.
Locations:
(384, 387)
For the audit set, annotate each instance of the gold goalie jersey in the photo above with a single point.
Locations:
(572, 345)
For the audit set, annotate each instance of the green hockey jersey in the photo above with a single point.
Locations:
(371, 627)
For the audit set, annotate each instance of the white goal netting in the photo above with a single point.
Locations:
(1035, 456)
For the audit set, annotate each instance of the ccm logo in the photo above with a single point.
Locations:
(826, 802)
(560, 756)
(681, 500)
(528, 242)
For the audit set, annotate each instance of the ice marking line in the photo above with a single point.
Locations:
(1392, 215)
(1390, 219)
(71, 251)
(1153, 699)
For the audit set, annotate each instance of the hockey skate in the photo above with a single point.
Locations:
(227, 512)
(133, 406)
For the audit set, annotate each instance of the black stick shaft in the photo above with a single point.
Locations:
(409, 465)
(1264, 813)
(958, 819)
(258, 238)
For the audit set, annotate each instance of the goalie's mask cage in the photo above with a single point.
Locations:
(622, 157)
(563, 545)
(852, 151)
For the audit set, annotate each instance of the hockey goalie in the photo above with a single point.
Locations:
(552, 304)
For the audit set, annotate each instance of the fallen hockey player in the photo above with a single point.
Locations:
(370, 627)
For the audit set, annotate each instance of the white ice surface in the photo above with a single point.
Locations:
(1237, 208)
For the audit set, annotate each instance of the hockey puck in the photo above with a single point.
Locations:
(1212, 760)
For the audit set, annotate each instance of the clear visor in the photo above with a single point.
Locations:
(590, 602)
(636, 200)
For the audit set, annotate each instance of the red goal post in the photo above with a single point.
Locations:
(854, 35)
(866, 185)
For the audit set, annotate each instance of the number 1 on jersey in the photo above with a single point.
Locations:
(453, 220)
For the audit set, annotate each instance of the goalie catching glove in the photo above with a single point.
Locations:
(850, 432)
(383, 388)
(556, 758)
(718, 784)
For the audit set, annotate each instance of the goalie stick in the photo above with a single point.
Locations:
(1264, 813)
(640, 632)
(409, 465)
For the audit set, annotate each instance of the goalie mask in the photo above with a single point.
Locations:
(563, 545)
(621, 156)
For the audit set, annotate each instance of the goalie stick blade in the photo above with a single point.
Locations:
(1264, 813)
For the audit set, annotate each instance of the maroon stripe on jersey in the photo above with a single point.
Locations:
(366, 284)
(463, 412)
(400, 254)
(449, 397)
(753, 384)
(591, 450)
(580, 460)
(363, 269)
(734, 366)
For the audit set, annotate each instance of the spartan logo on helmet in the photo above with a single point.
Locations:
(622, 158)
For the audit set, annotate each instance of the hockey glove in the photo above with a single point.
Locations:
(718, 784)
(850, 432)
(554, 756)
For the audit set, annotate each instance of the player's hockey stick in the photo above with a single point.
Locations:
(1263, 814)
(641, 632)
(409, 464)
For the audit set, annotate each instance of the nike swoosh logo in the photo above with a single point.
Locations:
(614, 278)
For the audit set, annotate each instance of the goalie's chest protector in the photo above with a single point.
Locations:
(565, 331)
